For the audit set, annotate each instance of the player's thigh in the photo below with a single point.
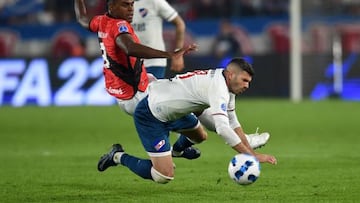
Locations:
(197, 134)
(153, 133)
(155, 139)
(189, 126)
(156, 142)
(164, 165)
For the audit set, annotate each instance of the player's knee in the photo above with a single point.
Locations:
(202, 135)
(196, 135)
(161, 178)
(199, 138)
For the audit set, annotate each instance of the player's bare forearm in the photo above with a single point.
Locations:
(81, 13)
(241, 148)
(180, 32)
(131, 48)
(177, 63)
(239, 131)
(139, 50)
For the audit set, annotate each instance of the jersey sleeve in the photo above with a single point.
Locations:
(233, 120)
(166, 11)
(219, 98)
(122, 27)
(231, 106)
(225, 131)
(222, 122)
(94, 24)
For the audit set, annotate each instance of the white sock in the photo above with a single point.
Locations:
(175, 153)
(191, 140)
(117, 157)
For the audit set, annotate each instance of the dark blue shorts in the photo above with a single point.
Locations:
(157, 71)
(154, 134)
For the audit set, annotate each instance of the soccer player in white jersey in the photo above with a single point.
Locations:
(169, 107)
(148, 25)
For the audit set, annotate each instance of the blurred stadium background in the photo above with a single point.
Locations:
(46, 58)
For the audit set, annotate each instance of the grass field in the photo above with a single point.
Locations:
(50, 155)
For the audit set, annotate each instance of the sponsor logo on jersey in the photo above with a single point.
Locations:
(102, 35)
(115, 91)
(123, 28)
(160, 144)
(223, 107)
(143, 12)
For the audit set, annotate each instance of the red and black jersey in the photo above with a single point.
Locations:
(124, 75)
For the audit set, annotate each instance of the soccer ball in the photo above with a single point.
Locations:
(244, 169)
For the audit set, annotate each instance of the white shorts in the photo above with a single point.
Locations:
(129, 105)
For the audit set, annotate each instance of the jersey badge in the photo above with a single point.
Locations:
(223, 107)
(143, 12)
(123, 28)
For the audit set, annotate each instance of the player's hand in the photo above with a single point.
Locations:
(185, 50)
(177, 64)
(266, 158)
(190, 48)
(177, 60)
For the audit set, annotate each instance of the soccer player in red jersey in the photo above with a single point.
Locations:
(125, 76)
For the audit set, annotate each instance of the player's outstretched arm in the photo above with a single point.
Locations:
(231, 138)
(131, 48)
(234, 121)
(81, 13)
(239, 131)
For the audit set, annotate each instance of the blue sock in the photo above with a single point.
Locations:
(182, 143)
(141, 167)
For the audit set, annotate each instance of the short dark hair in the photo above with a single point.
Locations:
(245, 66)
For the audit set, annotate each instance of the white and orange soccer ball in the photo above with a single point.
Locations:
(244, 169)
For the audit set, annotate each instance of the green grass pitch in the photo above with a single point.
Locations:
(50, 155)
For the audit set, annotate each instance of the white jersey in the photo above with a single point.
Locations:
(170, 99)
(148, 25)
